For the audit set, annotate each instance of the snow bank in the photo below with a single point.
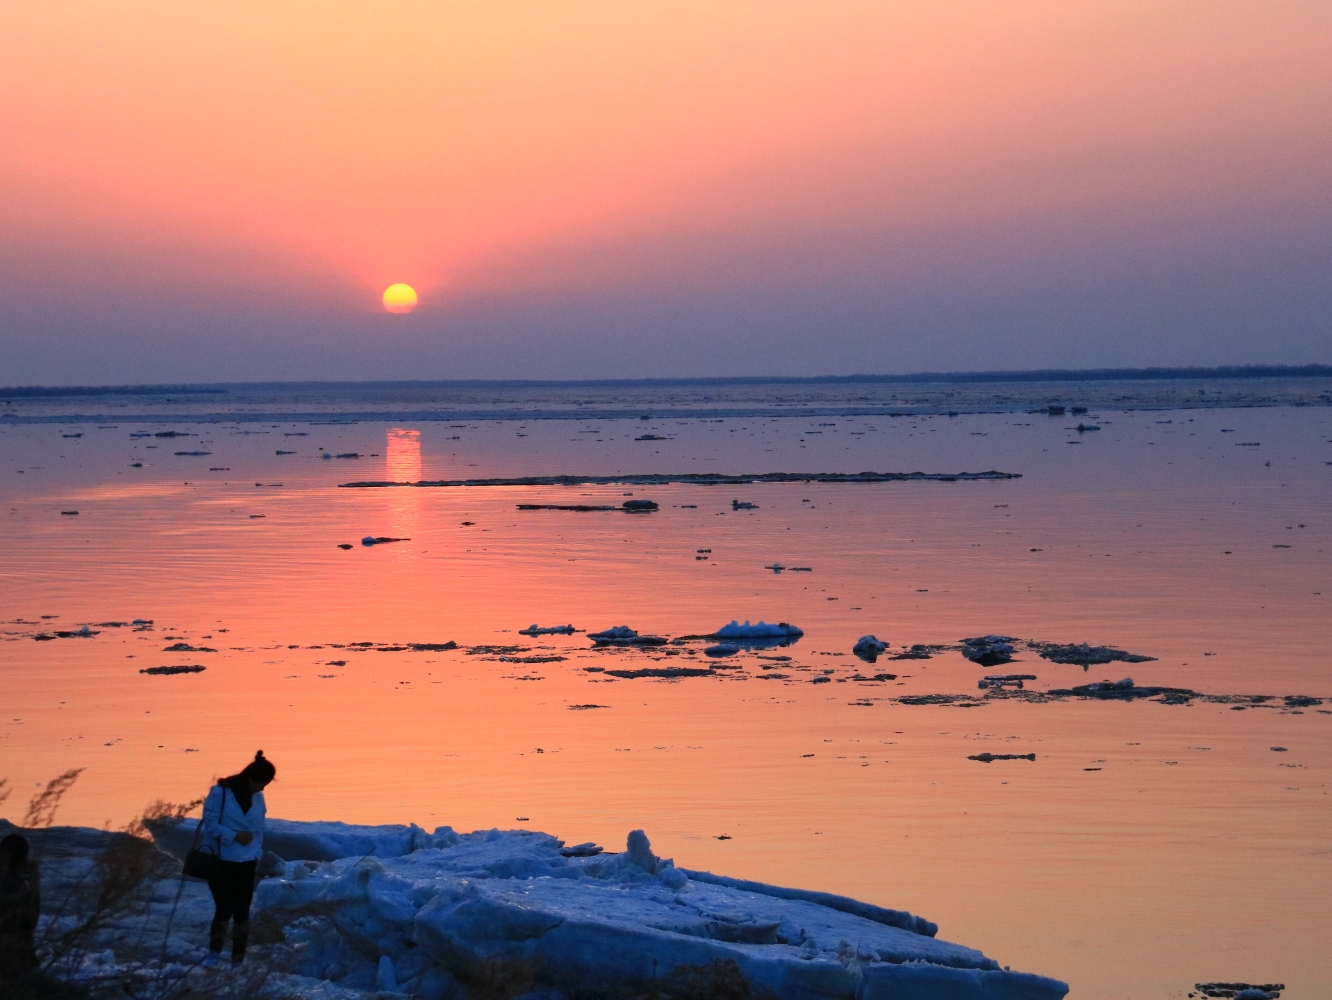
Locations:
(429, 919)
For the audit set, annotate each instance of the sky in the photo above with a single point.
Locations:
(221, 192)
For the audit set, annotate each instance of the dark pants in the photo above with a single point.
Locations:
(232, 888)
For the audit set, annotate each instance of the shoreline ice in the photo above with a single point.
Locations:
(361, 904)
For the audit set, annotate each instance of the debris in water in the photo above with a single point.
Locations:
(1083, 654)
(1241, 991)
(665, 672)
(1000, 680)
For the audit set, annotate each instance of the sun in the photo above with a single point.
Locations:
(399, 298)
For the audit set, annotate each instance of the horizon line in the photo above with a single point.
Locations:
(1153, 373)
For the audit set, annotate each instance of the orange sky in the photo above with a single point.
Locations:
(305, 155)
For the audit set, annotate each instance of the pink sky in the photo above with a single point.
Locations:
(607, 189)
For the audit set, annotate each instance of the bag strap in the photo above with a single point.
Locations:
(220, 810)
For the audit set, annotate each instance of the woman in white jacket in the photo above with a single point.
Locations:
(233, 828)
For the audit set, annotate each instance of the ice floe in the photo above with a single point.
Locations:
(623, 635)
(758, 630)
(988, 650)
(869, 648)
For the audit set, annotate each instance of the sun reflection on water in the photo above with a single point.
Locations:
(402, 464)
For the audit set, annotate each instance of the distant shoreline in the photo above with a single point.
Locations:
(1039, 375)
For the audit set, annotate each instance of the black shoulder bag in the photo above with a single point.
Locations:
(200, 863)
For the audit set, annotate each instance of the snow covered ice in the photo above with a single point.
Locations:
(421, 913)
(759, 630)
(869, 648)
(318, 841)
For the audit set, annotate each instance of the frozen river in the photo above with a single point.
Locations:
(1148, 846)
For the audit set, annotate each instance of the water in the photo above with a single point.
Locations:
(1195, 853)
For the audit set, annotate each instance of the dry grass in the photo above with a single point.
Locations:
(42, 809)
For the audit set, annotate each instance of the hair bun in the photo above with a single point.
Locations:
(259, 755)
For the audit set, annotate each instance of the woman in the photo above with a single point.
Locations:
(233, 827)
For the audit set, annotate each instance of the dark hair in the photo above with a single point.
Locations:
(14, 849)
(260, 769)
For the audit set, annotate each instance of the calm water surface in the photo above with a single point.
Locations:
(1201, 537)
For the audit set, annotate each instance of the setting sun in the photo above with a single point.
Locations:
(400, 298)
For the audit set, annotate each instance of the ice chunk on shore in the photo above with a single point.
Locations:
(758, 630)
(441, 914)
(314, 841)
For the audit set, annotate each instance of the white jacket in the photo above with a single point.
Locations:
(223, 819)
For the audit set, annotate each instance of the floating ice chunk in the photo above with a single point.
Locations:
(369, 540)
(722, 649)
(869, 648)
(535, 629)
(1125, 684)
(758, 630)
(988, 650)
(1000, 680)
(623, 635)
